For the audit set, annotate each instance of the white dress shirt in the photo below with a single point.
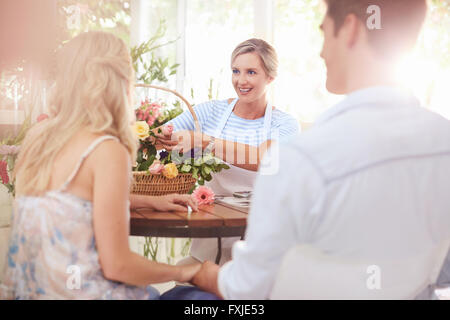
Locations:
(371, 180)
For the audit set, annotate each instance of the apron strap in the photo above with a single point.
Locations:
(224, 119)
(268, 122)
(229, 110)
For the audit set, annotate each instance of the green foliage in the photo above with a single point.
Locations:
(202, 167)
(211, 95)
(112, 16)
(10, 159)
(155, 68)
(151, 246)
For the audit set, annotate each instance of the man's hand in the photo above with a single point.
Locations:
(206, 278)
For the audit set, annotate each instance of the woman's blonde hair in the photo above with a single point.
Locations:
(94, 79)
(264, 50)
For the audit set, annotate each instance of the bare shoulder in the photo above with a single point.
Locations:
(111, 148)
(230, 100)
(109, 153)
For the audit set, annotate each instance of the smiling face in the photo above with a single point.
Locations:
(249, 78)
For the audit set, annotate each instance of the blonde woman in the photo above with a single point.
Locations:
(69, 237)
(237, 130)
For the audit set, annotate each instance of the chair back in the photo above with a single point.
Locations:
(307, 273)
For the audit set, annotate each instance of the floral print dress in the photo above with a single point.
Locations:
(52, 251)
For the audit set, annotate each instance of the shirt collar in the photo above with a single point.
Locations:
(383, 95)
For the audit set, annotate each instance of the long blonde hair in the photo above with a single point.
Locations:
(94, 79)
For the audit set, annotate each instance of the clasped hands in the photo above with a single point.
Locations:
(204, 276)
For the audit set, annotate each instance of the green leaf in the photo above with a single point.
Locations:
(151, 150)
(140, 156)
(186, 168)
(198, 162)
(195, 173)
(10, 188)
(192, 189)
(206, 170)
(208, 159)
(146, 164)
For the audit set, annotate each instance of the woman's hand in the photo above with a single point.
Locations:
(173, 202)
(187, 272)
(188, 140)
(164, 139)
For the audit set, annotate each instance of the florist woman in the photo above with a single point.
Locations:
(237, 130)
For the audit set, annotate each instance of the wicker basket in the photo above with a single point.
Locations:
(145, 183)
(158, 185)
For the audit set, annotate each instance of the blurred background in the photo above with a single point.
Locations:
(186, 45)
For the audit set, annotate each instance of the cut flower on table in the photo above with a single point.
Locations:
(203, 195)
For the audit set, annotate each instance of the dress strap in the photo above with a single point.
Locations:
(91, 147)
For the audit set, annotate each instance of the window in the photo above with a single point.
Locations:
(213, 29)
(300, 87)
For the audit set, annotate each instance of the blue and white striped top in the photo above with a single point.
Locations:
(237, 129)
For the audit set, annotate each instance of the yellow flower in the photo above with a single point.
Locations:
(170, 171)
(141, 129)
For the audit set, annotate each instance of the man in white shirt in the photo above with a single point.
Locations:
(369, 181)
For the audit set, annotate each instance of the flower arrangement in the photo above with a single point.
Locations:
(9, 149)
(152, 115)
(8, 155)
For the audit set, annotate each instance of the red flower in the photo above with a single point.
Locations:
(4, 172)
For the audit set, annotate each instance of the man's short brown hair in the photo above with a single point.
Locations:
(401, 21)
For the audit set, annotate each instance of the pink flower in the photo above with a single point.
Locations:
(154, 111)
(4, 172)
(148, 112)
(7, 149)
(139, 115)
(42, 117)
(203, 195)
(156, 168)
(167, 129)
(151, 121)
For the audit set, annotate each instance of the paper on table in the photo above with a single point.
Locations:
(241, 204)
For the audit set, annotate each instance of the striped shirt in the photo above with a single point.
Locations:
(237, 129)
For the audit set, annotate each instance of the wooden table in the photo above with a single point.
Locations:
(211, 221)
